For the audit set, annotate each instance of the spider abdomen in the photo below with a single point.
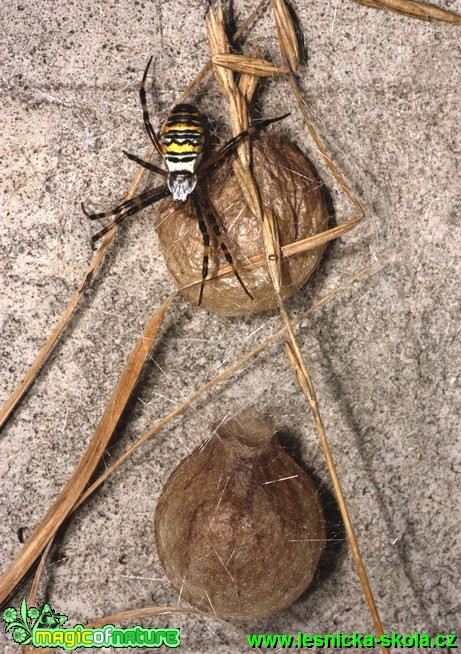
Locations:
(182, 138)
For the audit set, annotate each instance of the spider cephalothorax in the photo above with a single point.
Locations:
(181, 185)
(180, 144)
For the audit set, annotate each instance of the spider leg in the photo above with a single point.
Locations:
(145, 112)
(127, 208)
(202, 205)
(230, 146)
(146, 164)
(206, 241)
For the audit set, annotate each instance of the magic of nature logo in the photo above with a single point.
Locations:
(44, 628)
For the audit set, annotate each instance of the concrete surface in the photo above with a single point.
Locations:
(384, 91)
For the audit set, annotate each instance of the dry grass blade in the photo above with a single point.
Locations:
(320, 239)
(249, 65)
(133, 616)
(289, 250)
(374, 4)
(32, 599)
(415, 9)
(286, 34)
(224, 374)
(271, 242)
(219, 46)
(208, 66)
(274, 261)
(47, 348)
(302, 375)
(240, 121)
(90, 459)
(247, 83)
(320, 147)
(305, 383)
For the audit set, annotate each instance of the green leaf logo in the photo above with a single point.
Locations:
(19, 624)
(24, 622)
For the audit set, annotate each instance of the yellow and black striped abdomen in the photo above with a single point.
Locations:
(182, 138)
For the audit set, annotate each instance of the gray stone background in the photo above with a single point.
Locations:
(384, 91)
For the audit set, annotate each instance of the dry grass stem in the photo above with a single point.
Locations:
(247, 83)
(32, 599)
(219, 45)
(374, 4)
(295, 355)
(201, 75)
(286, 35)
(303, 378)
(305, 383)
(320, 147)
(273, 256)
(238, 108)
(272, 250)
(240, 120)
(58, 329)
(249, 65)
(289, 250)
(300, 368)
(63, 321)
(70, 493)
(414, 9)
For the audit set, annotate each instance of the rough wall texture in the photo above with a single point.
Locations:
(384, 91)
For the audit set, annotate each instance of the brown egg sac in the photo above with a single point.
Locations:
(239, 527)
(289, 189)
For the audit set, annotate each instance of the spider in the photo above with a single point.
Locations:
(180, 143)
